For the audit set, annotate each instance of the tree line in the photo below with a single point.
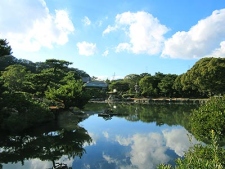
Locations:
(204, 79)
(28, 88)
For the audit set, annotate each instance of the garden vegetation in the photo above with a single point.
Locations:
(28, 90)
(207, 125)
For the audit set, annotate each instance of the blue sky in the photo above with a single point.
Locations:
(119, 37)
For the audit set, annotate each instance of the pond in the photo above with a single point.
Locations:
(132, 137)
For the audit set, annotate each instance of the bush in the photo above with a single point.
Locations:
(208, 157)
(209, 116)
(21, 112)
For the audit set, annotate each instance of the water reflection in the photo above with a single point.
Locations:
(114, 149)
(135, 137)
(43, 147)
(170, 114)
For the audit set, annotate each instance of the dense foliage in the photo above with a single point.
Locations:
(199, 156)
(5, 48)
(20, 111)
(204, 79)
(210, 116)
(27, 89)
(71, 94)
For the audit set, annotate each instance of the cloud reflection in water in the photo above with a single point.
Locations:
(137, 151)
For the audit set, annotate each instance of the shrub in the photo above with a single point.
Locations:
(198, 156)
(21, 112)
(209, 116)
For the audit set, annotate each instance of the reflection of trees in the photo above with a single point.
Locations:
(170, 114)
(48, 145)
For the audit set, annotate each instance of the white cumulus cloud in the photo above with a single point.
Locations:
(86, 21)
(219, 52)
(31, 25)
(204, 38)
(144, 31)
(105, 53)
(86, 49)
(109, 29)
(123, 46)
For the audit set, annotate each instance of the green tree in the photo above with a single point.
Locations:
(15, 78)
(49, 75)
(146, 84)
(55, 66)
(6, 61)
(144, 74)
(120, 86)
(5, 48)
(189, 89)
(132, 79)
(166, 84)
(39, 81)
(178, 87)
(28, 64)
(206, 76)
(149, 85)
(72, 94)
(159, 76)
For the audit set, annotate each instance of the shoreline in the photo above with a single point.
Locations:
(154, 101)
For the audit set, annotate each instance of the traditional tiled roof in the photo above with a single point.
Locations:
(98, 84)
(86, 79)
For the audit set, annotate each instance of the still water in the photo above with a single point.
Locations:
(134, 137)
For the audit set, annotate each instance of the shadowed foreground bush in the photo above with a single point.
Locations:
(198, 157)
(209, 116)
(22, 112)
